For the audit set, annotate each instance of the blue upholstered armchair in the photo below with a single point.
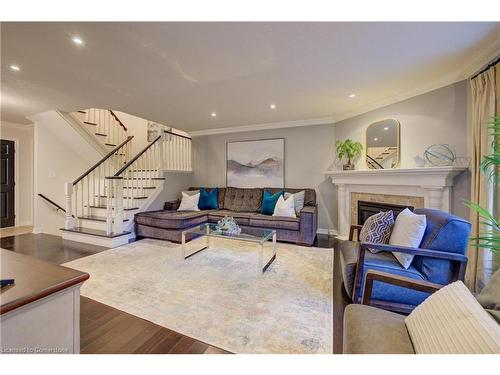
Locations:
(440, 259)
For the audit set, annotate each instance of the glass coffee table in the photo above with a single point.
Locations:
(255, 235)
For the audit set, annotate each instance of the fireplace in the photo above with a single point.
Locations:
(367, 209)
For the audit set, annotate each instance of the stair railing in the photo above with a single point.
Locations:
(168, 151)
(88, 189)
(107, 124)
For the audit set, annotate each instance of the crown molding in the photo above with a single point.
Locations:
(265, 126)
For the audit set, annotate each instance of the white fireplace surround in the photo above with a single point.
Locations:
(434, 184)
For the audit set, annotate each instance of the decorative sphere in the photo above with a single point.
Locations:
(440, 155)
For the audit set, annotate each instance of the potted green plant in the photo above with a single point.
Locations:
(349, 150)
(490, 238)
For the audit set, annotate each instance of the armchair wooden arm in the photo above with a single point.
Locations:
(354, 228)
(459, 259)
(389, 278)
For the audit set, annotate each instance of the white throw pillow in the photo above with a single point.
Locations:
(285, 207)
(451, 321)
(408, 230)
(298, 199)
(189, 202)
(191, 192)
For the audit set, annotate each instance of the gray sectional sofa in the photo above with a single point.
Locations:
(244, 205)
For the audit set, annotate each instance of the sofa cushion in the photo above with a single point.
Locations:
(243, 200)
(444, 232)
(383, 261)
(368, 330)
(171, 219)
(274, 222)
(241, 218)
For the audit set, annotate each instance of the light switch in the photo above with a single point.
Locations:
(52, 174)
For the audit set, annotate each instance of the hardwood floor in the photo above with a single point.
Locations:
(104, 329)
(14, 231)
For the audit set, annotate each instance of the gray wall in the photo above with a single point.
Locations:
(440, 116)
(309, 151)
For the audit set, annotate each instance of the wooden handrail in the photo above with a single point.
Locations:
(374, 161)
(52, 202)
(103, 160)
(179, 135)
(117, 119)
(125, 167)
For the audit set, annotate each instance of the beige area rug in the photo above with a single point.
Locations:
(217, 295)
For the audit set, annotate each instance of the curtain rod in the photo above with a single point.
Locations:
(492, 63)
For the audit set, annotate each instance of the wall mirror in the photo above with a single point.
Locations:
(382, 144)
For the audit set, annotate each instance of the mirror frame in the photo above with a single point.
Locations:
(398, 136)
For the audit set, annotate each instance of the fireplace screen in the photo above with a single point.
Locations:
(367, 209)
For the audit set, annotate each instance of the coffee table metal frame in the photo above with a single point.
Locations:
(208, 230)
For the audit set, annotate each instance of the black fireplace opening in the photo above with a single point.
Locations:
(367, 209)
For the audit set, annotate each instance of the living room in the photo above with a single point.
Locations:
(265, 187)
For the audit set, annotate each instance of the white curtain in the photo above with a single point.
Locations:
(483, 90)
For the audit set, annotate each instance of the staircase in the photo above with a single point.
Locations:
(102, 202)
(377, 161)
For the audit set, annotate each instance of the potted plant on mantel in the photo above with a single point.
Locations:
(350, 150)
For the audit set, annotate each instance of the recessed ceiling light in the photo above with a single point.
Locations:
(77, 40)
(272, 106)
(386, 128)
(213, 114)
(375, 139)
(15, 67)
(352, 96)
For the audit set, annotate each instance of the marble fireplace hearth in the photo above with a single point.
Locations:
(417, 187)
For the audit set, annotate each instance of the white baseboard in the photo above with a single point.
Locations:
(330, 232)
(37, 230)
(96, 240)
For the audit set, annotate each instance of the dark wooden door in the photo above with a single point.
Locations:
(7, 213)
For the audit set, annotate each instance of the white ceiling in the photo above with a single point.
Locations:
(178, 73)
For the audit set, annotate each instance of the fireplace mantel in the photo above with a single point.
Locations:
(434, 184)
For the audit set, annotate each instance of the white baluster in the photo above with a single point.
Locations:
(69, 223)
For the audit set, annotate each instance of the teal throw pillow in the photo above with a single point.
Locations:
(269, 202)
(209, 200)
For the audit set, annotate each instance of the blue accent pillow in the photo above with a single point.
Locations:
(269, 202)
(209, 201)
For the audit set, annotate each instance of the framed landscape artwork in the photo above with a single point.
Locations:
(258, 163)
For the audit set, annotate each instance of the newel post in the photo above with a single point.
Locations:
(118, 206)
(162, 150)
(109, 207)
(69, 223)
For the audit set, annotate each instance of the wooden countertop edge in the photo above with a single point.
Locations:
(43, 293)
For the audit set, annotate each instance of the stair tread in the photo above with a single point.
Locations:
(104, 206)
(102, 135)
(81, 112)
(140, 197)
(110, 144)
(94, 232)
(137, 187)
(95, 218)
(144, 178)
(90, 123)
